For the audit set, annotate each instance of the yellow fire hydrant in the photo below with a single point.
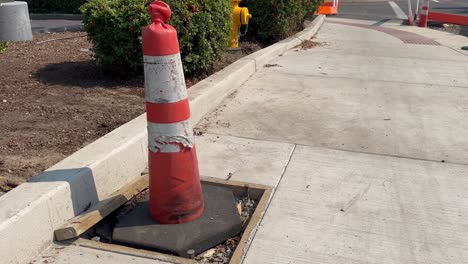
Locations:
(240, 17)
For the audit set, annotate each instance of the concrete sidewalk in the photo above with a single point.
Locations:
(352, 134)
(378, 173)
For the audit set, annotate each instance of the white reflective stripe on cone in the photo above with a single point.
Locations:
(164, 79)
(170, 138)
(425, 9)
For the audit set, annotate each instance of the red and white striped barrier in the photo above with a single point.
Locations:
(423, 15)
(175, 189)
(448, 18)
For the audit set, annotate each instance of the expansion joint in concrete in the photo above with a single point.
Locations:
(373, 80)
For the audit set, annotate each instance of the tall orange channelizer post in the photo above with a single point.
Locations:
(175, 188)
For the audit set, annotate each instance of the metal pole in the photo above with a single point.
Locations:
(416, 10)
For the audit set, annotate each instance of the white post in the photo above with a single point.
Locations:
(410, 13)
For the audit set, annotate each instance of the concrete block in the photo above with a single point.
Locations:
(14, 21)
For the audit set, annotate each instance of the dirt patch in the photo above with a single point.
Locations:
(308, 44)
(55, 100)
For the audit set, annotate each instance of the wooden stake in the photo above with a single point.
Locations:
(81, 223)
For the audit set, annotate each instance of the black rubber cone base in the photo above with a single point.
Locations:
(219, 222)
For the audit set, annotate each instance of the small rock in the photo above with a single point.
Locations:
(230, 242)
(239, 207)
(209, 253)
(191, 253)
(96, 238)
(4, 101)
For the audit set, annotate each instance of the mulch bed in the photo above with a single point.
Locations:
(55, 100)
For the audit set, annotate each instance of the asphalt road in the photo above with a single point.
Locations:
(381, 9)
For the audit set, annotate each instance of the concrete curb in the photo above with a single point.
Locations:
(44, 30)
(263, 56)
(31, 212)
(77, 17)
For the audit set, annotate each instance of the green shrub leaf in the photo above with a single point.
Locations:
(114, 28)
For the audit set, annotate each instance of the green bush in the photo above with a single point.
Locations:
(3, 46)
(274, 20)
(55, 6)
(114, 28)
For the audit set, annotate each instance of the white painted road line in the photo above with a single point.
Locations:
(437, 1)
(399, 13)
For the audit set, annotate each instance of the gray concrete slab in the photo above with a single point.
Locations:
(359, 97)
(344, 207)
(408, 120)
(241, 159)
(372, 59)
(382, 68)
